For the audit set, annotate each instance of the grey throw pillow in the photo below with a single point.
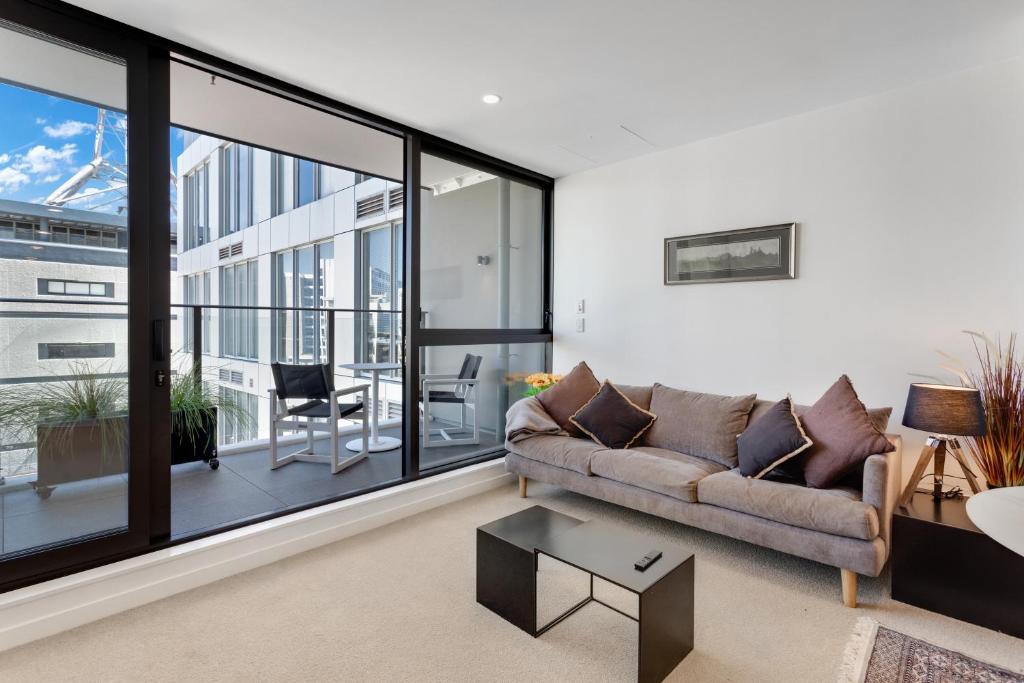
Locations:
(702, 425)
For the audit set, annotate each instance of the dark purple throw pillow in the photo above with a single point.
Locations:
(611, 419)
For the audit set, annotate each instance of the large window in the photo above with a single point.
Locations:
(303, 278)
(236, 188)
(196, 206)
(232, 424)
(380, 284)
(238, 325)
(300, 234)
(196, 290)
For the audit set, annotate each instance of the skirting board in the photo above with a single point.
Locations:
(48, 608)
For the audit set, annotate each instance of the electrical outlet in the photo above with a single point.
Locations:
(580, 325)
(581, 306)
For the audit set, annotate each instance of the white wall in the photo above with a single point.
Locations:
(911, 213)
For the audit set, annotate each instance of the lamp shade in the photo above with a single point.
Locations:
(942, 409)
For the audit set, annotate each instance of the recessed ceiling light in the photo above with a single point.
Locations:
(491, 98)
(56, 210)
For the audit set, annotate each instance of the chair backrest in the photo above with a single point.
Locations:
(302, 381)
(470, 368)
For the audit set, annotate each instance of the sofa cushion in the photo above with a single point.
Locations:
(843, 434)
(703, 425)
(566, 452)
(611, 419)
(838, 511)
(655, 469)
(640, 395)
(771, 441)
(568, 395)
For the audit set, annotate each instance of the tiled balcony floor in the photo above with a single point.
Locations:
(202, 498)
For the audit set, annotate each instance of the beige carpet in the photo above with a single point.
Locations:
(397, 604)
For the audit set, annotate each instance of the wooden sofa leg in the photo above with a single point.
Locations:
(522, 486)
(849, 587)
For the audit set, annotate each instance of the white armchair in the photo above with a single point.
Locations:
(320, 411)
(461, 390)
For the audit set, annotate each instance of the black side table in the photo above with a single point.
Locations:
(506, 579)
(943, 563)
(506, 567)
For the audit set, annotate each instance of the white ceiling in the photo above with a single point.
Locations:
(575, 74)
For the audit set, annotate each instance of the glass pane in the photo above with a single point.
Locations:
(305, 181)
(377, 284)
(63, 368)
(306, 298)
(482, 249)
(283, 297)
(285, 258)
(470, 420)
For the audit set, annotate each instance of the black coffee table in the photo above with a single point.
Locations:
(507, 552)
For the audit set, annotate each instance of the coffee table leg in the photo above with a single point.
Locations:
(666, 624)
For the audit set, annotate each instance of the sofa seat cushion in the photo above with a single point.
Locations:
(839, 511)
(566, 452)
(654, 469)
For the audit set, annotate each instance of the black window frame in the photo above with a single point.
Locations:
(149, 320)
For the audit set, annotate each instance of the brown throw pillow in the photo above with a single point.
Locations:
(843, 434)
(568, 395)
(702, 425)
(611, 419)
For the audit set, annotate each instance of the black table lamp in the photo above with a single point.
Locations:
(947, 412)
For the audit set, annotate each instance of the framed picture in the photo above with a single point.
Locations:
(765, 253)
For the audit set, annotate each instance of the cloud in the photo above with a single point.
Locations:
(11, 179)
(43, 159)
(68, 129)
(40, 120)
(41, 163)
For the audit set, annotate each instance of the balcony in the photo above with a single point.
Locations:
(230, 349)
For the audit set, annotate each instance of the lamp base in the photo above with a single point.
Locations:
(936, 447)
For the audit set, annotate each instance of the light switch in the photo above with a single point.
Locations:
(581, 306)
(579, 324)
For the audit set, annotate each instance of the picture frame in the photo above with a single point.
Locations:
(762, 253)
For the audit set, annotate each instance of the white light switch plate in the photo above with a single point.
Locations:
(579, 324)
(581, 306)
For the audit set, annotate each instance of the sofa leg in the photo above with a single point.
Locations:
(522, 486)
(849, 587)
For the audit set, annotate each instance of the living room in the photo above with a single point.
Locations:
(663, 342)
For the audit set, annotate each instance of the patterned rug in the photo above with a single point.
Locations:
(876, 654)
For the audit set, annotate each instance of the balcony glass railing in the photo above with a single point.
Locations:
(61, 352)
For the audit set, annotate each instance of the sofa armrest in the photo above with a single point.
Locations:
(883, 475)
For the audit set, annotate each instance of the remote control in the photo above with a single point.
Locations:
(647, 560)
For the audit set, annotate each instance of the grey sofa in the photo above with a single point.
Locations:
(847, 527)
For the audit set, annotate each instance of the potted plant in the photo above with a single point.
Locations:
(80, 425)
(193, 420)
(999, 376)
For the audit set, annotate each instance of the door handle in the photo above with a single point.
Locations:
(159, 348)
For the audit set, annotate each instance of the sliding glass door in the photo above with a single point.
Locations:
(79, 353)
(482, 292)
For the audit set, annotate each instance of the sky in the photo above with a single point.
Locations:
(44, 139)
